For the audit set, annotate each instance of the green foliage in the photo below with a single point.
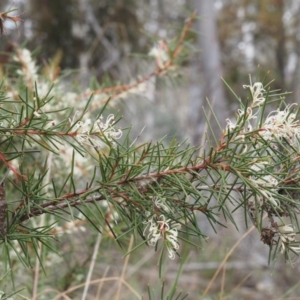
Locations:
(70, 166)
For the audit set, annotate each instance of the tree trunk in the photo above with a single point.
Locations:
(206, 74)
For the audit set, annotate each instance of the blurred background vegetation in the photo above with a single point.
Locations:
(109, 40)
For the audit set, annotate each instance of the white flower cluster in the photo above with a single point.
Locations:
(160, 53)
(267, 184)
(281, 124)
(29, 68)
(29, 71)
(287, 235)
(257, 92)
(160, 228)
(161, 203)
(70, 227)
(87, 131)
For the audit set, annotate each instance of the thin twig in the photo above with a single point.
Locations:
(226, 258)
(97, 281)
(99, 289)
(122, 277)
(92, 265)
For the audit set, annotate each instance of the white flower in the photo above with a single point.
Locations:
(287, 235)
(295, 249)
(88, 132)
(171, 241)
(265, 181)
(107, 128)
(286, 229)
(69, 98)
(50, 124)
(172, 252)
(37, 114)
(147, 213)
(160, 52)
(281, 124)
(247, 115)
(44, 89)
(29, 68)
(160, 228)
(267, 195)
(243, 122)
(256, 91)
(248, 128)
(230, 126)
(256, 167)
(69, 228)
(160, 203)
(262, 182)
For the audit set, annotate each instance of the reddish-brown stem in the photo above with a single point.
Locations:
(198, 167)
(61, 202)
(11, 167)
(117, 90)
(4, 16)
(183, 35)
(125, 197)
(39, 132)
